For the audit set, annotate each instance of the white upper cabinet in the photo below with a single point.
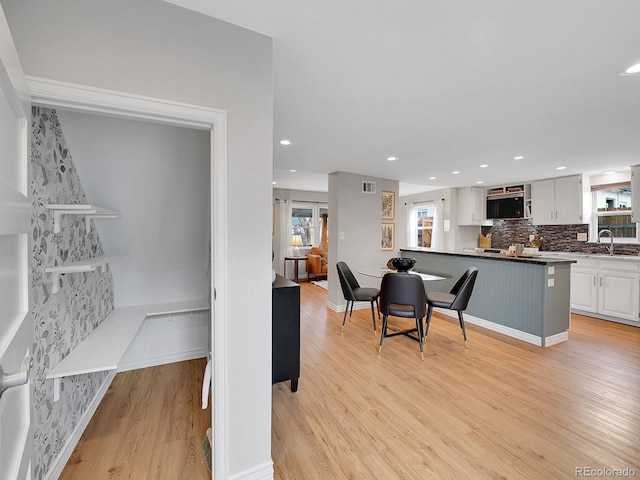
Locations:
(471, 205)
(560, 201)
(543, 202)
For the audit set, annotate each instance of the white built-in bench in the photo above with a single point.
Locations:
(104, 348)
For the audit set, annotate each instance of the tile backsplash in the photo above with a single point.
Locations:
(558, 238)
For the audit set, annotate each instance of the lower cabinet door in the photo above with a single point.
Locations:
(584, 290)
(619, 294)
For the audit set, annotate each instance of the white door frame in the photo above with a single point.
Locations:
(108, 102)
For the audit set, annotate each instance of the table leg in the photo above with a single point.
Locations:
(295, 270)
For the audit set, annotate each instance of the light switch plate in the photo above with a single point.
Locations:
(531, 237)
(550, 282)
(582, 237)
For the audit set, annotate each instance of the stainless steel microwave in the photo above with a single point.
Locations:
(506, 206)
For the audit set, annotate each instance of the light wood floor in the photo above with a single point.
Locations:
(501, 409)
(150, 425)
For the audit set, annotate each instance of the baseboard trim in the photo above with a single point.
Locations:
(606, 317)
(510, 332)
(163, 359)
(341, 308)
(555, 339)
(55, 470)
(263, 471)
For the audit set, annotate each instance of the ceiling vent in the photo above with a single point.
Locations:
(368, 187)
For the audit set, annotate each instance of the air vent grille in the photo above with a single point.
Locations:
(368, 187)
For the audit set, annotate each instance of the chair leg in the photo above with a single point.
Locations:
(428, 322)
(464, 332)
(351, 311)
(378, 308)
(373, 317)
(383, 331)
(419, 328)
(344, 319)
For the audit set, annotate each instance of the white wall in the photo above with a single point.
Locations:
(355, 221)
(300, 195)
(153, 48)
(157, 178)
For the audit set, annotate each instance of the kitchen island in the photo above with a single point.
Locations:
(525, 297)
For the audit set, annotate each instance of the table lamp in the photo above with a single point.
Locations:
(296, 241)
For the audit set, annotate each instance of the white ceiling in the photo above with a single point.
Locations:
(447, 85)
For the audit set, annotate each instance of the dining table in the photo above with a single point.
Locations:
(379, 272)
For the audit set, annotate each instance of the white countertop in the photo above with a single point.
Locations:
(604, 256)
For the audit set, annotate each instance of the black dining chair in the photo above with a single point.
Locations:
(353, 292)
(402, 295)
(457, 299)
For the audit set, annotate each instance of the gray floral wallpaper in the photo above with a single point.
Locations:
(63, 319)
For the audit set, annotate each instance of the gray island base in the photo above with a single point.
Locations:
(524, 298)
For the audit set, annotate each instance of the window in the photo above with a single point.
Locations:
(306, 221)
(612, 211)
(424, 224)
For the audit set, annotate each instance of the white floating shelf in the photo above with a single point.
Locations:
(88, 265)
(104, 348)
(88, 211)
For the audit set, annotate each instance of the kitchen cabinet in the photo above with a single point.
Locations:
(584, 285)
(560, 201)
(609, 287)
(618, 294)
(471, 205)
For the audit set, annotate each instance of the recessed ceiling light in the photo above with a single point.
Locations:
(392, 159)
(632, 70)
(484, 165)
(479, 181)
(519, 157)
(273, 183)
(285, 142)
(608, 172)
(560, 168)
(455, 172)
(293, 171)
(432, 178)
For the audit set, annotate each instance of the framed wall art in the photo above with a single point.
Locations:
(388, 236)
(388, 205)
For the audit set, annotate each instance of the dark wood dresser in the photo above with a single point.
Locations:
(285, 320)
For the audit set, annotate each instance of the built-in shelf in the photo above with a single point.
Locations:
(506, 190)
(87, 265)
(104, 348)
(87, 211)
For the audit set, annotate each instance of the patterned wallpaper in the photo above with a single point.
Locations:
(558, 238)
(63, 319)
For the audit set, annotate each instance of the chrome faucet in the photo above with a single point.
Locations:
(608, 232)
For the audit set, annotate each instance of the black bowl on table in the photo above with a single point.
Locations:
(402, 264)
